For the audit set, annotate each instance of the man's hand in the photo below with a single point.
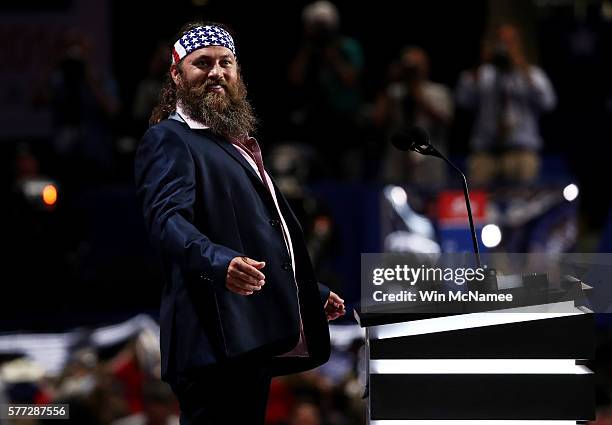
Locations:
(334, 307)
(243, 275)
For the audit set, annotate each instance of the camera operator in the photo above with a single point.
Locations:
(508, 95)
(84, 102)
(325, 76)
(410, 99)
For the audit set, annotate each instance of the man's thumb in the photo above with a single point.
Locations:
(256, 264)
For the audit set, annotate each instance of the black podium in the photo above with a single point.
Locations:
(519, 364)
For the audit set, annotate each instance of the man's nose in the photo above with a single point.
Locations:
(216, 72)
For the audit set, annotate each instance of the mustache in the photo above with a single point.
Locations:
(201, 88)
(221, 83)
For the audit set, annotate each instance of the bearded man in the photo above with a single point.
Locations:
(241, 303)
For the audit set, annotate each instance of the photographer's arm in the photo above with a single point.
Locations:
(297, 68)
(437, 105)
(348, 72)
(466, 94)
(541, 93)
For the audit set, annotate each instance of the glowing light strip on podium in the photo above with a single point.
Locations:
(474, 320)
(470, 422)
(477, 366)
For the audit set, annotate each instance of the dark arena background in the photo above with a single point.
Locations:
(81, 284)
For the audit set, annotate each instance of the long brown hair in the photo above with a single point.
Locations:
(167, 95)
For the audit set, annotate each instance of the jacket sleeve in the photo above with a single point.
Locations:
(166, 187)
(323, 292)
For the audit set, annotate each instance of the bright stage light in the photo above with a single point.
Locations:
(40, 192)
(399, 196)
(491, 235)
(49, 195)
(570, 192)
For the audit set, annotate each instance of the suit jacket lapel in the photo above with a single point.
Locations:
(282, 201)
(285, 208)
(302, 258)
(233, 152)
(293, 223)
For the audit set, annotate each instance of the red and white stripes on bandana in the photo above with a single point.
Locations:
(210, 35)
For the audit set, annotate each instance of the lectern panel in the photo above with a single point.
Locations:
(480, 397)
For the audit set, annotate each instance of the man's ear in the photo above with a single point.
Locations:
(175, 73)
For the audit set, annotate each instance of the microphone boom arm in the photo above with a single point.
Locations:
(429, 149)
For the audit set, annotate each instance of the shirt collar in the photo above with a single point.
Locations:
(194, 125)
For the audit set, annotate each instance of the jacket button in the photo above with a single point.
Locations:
(286, 266)
(274, 223)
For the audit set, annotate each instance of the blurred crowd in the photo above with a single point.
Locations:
(119, 384)
(340, 133)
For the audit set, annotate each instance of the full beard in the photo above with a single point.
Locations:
(228, 113)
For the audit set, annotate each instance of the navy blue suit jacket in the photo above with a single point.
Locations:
(204, 205)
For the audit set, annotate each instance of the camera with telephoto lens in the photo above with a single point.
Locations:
(323, 34)
(500, 58)
(410, 72)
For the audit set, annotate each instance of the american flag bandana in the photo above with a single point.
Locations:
(199, 37)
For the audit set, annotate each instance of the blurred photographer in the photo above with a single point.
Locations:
(412, 99)
(84, 101)
(508, 95)
(325, 76)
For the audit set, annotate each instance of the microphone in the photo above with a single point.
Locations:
(417, 140)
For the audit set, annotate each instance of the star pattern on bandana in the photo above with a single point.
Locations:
(207, 36)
